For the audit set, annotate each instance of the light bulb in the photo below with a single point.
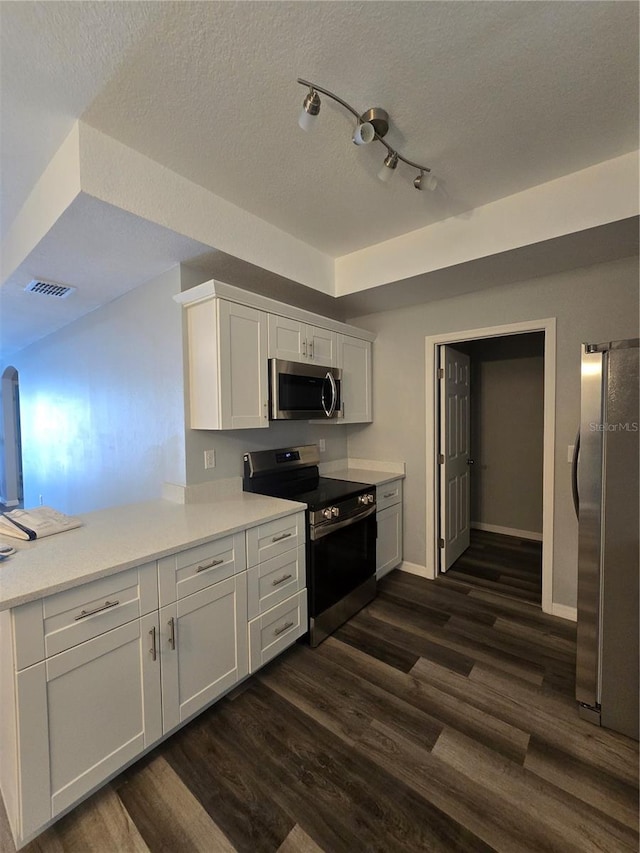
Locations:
(364, 133)
(306, 120)
(431, 182)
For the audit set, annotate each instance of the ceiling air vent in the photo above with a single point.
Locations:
(49, 288)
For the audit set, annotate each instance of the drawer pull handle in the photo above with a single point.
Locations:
(282, 536)
(152, 650)
(390, 495)
(84, 613)
(284, 628)
(210, 565)
(172, 633)
(281, 580)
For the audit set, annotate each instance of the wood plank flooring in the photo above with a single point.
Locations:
(503, 564)
(440, 718)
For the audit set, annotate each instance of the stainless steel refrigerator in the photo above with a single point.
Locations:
(605, 486)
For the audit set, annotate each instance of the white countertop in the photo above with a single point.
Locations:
(364, 475)
(119, 538)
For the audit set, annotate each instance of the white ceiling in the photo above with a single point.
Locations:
(496, 97)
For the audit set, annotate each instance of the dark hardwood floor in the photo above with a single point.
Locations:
(440, 718)
(503, 564)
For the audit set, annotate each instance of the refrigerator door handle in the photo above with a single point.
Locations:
(574, 476)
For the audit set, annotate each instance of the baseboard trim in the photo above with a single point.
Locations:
(565, 612)
(507, 531)
(413, 569)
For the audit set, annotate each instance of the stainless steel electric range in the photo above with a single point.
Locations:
(341, 531)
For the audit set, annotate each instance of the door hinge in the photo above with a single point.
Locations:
(441, 459)
(441, 543)
(440, 373)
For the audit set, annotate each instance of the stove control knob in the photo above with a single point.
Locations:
(326, 513)
(335, 512)
(362, 499)
(370, 498)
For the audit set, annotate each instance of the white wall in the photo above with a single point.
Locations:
(102, 404)
(595, 303)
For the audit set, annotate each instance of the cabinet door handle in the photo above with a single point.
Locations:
(389, 495)
(284, 628)
(281, 580)
(84, 613)
(310, 349)
(304, 348)
(281, 537)
(210, 565)
(152, 650)
(172, 633)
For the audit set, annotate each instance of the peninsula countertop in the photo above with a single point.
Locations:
(118, 538)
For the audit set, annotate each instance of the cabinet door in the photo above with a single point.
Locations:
(322, 346)
(287, 338)
(242, 367)
(354, 357)
(389, 544)
(203, 648)
(83, 714)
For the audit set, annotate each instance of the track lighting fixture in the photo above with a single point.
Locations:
(371, 125)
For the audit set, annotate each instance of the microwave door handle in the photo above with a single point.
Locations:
(334, 395)
(322, 400)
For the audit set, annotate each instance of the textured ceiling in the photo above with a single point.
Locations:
(496, 97)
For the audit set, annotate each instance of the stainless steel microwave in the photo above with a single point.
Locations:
(299, 391)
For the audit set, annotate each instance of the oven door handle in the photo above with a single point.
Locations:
(326, 530)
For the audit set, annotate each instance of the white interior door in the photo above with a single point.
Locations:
(454, 455)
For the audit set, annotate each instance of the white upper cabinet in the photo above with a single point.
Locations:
(354, 359)
(227, 353)
(231, 335)
(293, 340)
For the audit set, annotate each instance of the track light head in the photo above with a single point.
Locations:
(389, 165)
(430, 182)
(364, 133)
(310, 109)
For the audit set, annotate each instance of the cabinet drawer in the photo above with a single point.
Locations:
(275, 537)
(277, 629)
(389, 494)
(196, 568)
(64, 619)
(272, 581)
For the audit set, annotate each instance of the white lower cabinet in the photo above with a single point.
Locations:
(277, 629)
(389, 520)
(203, 648)
(84, 713)
(92, 677)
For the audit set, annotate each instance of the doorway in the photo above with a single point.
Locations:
(11, 484)
(435, 345)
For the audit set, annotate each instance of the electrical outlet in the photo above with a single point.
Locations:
(322, 446)
(41, 501)
(209, 459)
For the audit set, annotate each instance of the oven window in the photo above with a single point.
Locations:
(340, 562)
(303, 393)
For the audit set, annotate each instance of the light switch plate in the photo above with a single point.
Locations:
(570, 449)
(209, 459)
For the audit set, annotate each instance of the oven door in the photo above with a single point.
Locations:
(342, 573)
(303, 391)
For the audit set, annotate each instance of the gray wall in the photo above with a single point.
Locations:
(591, 303)
(507, 420)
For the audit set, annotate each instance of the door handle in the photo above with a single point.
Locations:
(470, 461)
(574, 476)
(152, 650)
(172, 633)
